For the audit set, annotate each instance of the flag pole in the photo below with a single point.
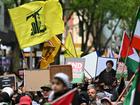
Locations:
(31, 59)
(124, 90)
(74, 45)
(121, 48)
(73, 56)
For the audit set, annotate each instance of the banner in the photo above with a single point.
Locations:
(77, 68)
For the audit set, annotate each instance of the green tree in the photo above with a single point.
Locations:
(95, 14)
(15, 49)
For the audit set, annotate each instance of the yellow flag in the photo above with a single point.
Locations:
(50, 50)
(37, 22)
(70, 51)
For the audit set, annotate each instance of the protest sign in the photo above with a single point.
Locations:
(90, 64)
(77, 68)
(101, 64)
(34, 79)
(67, 69)
(8, 81)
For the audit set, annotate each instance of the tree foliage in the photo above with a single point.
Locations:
(95, 14)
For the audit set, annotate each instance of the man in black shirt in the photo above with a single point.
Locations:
(107, 77)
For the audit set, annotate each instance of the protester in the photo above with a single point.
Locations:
(92, 93)
(60, 86)
(46, 90)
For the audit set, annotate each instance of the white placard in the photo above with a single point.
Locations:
(90, 64)
(101, 64)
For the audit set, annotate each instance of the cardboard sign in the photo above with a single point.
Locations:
(8, 81)
(90, 64)
(34, 79)
(67, 69)
(77, 68)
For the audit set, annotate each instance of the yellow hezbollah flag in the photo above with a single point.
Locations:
(37, 22)
(70, 51)
(50, 49)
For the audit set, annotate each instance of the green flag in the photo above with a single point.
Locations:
(130, 96)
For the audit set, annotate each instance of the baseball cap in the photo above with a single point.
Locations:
(25, 100)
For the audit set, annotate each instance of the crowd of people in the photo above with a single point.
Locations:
(103, 90)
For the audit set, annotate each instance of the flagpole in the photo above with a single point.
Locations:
(124, 90)
(74, 45)
(31, 59)
(121, 48)
(73, 56)
(120, 54)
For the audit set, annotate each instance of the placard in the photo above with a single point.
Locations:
(34, 79)
(8, 81)
(101, 64)
(77, 68)
(90, 64)
(67, 69)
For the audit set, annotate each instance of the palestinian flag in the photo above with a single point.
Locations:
(66, 99)
(129, 99)
(129, 53)
(137, 92)
(136, 37)
(133, 96)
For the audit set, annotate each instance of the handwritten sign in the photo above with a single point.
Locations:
(77, 68)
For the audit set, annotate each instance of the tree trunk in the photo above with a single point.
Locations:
(113, 31)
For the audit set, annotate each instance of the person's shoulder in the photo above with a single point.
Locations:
(103, 71)
(113, 70)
